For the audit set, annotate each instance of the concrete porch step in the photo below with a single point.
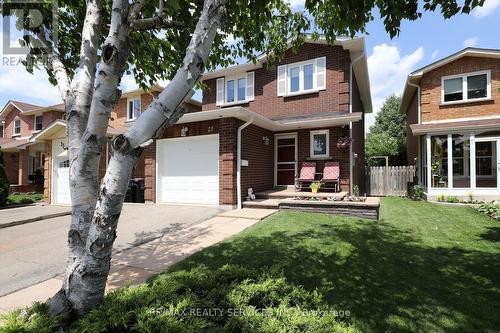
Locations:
(262, 203)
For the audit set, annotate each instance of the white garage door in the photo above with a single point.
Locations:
(61, 191)
(188, 170)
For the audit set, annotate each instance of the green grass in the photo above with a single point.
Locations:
(14, 199)
(421, 268)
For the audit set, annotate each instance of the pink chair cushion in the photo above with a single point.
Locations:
(307, 171)
(331, 171)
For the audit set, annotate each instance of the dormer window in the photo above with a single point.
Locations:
(235, 89)
(466, 87)
(38, 123)
(17, 127)
(133, 109)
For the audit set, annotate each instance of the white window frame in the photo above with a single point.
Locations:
(14, 127)
(235, 80)
(464, 77)
(311, 144)
(301, 78)
(128, 108)
(34, 124)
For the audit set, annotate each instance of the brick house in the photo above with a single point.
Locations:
(258, 125)
(453, 123)
(25, 160)
(54, 141)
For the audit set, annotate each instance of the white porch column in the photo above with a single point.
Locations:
(450, 161)
(472, 161)
(429, 170)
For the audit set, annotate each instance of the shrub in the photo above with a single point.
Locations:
(417, 192)
(491, 208)
(4, 183)
(452, 199)
(470, 197)
(355, 190)
(440, 197)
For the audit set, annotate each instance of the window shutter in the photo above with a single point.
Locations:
(321, 73)
(220, 92)
(250, 86)
(281, 80)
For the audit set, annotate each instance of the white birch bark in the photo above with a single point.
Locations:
(87, 281)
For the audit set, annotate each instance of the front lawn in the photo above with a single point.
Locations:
(422, 268)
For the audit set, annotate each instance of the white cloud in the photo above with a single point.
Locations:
(470, 42)
(296, 3)
(487, 9)
(434, 54)
(388, 71)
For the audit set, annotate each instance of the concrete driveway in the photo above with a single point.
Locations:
(34, 252)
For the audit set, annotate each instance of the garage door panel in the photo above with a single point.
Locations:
(188, 170)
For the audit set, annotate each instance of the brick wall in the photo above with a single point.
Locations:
(27, 123)
(23, 166)
(259, 174)
(49, 117)
(431, 90)
(11, 166)
(227, 160)
(335, 98)
(149, 155)
(411, 140)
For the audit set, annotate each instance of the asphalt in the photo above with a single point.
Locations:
(34, 252)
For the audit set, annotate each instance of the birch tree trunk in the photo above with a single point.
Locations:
(88, 268)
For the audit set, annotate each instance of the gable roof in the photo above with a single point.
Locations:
(355, 46)
(27, 108)
(415, 76)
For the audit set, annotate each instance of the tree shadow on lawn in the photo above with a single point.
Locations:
(492, 235)
(382, 275)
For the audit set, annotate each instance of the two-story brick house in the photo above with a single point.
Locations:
(258, 125)
(453, 123)
(25, 160)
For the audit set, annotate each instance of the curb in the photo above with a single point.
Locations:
(34, 219)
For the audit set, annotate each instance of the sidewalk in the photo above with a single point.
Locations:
(139, 263)
(14, 216)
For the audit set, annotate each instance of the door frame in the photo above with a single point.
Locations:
(291, 135)
(497, 165)
(55, 166)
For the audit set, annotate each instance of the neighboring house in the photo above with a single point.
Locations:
(258, 125)
(453, 116)
(54, 140)
(25, 160)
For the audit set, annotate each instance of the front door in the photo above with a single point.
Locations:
(487, 163)
(286, 159)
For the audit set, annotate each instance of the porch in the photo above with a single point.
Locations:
(338, 203)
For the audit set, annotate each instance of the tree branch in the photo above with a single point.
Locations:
(155, 23)
(136, 9)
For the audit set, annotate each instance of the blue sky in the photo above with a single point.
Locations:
(389, 61)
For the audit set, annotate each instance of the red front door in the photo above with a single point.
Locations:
(285, 160)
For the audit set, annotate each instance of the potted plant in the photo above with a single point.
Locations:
(315, 186)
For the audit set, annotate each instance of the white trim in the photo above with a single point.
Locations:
(311, 146)
(14, 127)
(444, 121)
(238, 161)
(128, 108)
(288, 77)
(464, 77)
(291, 135)
(34, 123)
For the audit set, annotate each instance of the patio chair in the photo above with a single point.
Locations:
(306, 177)
(331, 176)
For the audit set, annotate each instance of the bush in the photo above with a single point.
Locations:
(491, 209)
(416, 192)
(4, 183)
(440, 197)
(355, 190)
(452, 199)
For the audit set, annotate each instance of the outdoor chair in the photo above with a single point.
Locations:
(331, 176)
(306, 177)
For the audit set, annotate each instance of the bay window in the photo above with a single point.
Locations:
(466, 87)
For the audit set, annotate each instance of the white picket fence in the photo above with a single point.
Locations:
(392, 180)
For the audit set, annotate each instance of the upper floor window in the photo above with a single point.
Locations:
(17, 127)
(38, 123)
(133, 108)
(466, 87)
(302, 77)
(235, 89)
(1, 131)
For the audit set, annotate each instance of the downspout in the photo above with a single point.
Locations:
(238, 154)
(351, 156)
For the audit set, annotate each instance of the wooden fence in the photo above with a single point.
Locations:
(392, 180)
